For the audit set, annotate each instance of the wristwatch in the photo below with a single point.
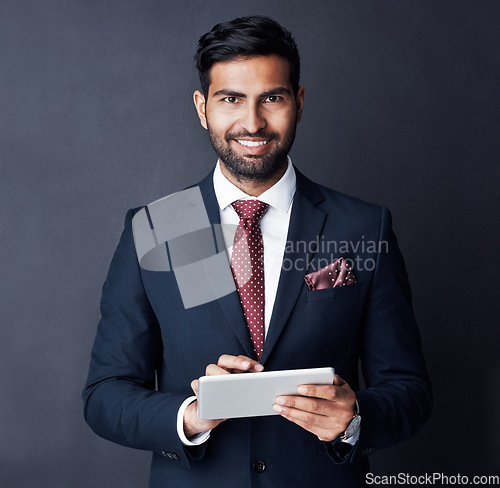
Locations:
(353, 425)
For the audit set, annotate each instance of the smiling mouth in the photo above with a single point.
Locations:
(251, 143)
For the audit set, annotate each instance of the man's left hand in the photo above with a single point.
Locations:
(324, 410)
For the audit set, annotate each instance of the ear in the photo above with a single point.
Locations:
(299, 100)
(199, 103)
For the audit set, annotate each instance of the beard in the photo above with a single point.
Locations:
(253, 167)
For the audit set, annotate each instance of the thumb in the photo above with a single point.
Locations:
(194, 386)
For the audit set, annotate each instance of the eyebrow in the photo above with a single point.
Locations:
(280, 90)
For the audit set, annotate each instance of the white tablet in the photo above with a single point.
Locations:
(253, 394)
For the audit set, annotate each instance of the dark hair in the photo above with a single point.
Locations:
(246, 36)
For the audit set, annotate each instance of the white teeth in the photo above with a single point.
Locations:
(252, 143)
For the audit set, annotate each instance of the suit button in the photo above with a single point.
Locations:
(170, 455)
(259, 466)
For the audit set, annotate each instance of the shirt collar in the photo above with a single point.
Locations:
(279, 196)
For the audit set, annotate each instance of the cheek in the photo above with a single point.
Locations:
(221, 124)
(282, 122)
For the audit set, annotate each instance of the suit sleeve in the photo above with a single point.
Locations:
(398, 399)
(121, 403)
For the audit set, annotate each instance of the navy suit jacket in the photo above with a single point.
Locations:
(149, 348)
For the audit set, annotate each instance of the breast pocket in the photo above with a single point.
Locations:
(333, 293)
(334, 314)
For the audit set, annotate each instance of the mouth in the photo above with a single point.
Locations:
(253, 147)
(251, 143)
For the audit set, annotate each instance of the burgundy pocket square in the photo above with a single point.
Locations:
(338, 273)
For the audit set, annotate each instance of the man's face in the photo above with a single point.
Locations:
(251, 114)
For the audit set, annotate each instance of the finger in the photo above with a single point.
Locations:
(338, 381)
(214, 369)
(239, 363)
(307, 404)
(333, 393)
(326, 392)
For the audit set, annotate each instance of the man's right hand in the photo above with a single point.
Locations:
(226, 365)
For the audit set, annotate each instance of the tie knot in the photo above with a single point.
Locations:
(250, 209)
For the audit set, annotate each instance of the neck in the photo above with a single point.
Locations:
(254, 186)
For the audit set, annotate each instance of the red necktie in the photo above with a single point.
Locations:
(247, 264)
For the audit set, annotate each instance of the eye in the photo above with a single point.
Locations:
(230, 99)
(273, 99)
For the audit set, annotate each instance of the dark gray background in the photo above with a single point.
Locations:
(96, 117)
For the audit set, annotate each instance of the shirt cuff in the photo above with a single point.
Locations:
(195, 440)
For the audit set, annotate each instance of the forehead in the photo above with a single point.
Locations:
(250, 74)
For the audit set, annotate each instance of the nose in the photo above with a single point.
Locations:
(252, 120)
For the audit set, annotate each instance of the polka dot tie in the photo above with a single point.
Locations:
(247, 264)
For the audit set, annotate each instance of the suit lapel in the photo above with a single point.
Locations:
(306, 224)
(230, 304)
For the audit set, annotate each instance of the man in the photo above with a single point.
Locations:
(153, 341)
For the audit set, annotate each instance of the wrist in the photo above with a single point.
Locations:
(352, 430)
(191, 422)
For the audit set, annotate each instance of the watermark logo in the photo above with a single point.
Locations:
(439, 479)
(175, 234)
